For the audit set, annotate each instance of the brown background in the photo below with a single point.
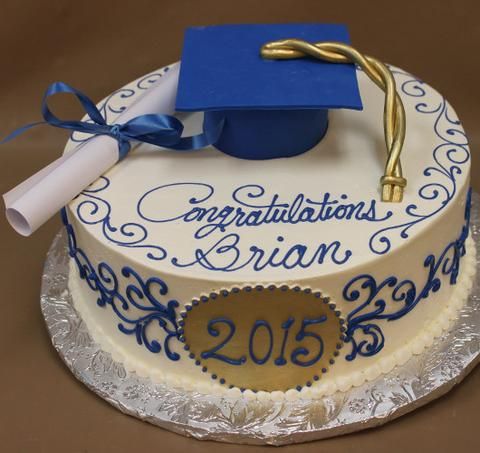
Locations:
(99, 46)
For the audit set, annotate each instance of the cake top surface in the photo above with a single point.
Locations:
(204, 214)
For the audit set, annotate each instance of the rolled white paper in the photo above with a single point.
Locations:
(34, 201)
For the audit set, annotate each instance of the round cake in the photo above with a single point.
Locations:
(276, 278)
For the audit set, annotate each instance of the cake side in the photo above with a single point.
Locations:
(137, 359)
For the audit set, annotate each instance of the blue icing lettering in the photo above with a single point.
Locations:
(258, 324)
(252, 207)
(215, 332)
(280, 360)
(303, 333)
(255, 343)
(225, 255)
(248, 213)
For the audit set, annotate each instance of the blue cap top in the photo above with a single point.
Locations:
(222, 71)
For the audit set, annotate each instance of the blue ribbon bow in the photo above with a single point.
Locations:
(159, 130)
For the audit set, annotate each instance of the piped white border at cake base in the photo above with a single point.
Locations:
(425, 370)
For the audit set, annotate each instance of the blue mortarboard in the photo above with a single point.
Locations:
(269, 108)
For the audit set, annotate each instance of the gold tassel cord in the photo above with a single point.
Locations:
(394, 125)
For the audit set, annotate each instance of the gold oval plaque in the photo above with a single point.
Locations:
(263, 338)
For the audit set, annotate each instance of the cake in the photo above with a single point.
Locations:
(277, 278)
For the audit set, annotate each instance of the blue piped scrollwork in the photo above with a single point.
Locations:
(449, 156)
(140, 295)
(93, 209)
(116, 102)
(363, 332)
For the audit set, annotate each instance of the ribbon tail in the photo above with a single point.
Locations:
(210, 136)
(20, 131)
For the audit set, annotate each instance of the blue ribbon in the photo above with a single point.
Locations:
(159, 130)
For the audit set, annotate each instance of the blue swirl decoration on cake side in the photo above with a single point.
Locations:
(449, 156)
(363, 331)
(119, 100)
(93, 210)
(139, 294)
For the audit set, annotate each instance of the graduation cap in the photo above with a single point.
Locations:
(268, 108)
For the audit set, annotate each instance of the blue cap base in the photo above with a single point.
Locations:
(268, 134)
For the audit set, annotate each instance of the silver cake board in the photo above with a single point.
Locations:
(422, 379)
